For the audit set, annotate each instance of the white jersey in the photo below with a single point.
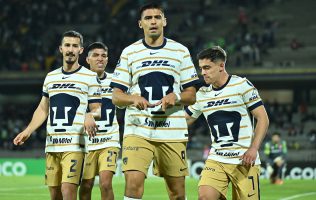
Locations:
(226, 111)
(154, 72)
(108, 134)
(69, 94)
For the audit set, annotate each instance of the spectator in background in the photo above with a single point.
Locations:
(276, 151)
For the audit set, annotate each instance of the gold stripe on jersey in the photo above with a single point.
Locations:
(232, 148)
(168, 49)
(156, 117)
(121, 69)
(67, 81)
(213, 98)
(77, 123)
(157, 68)
(106, 95)
(108, 133)
(91, 144)
(94, 86)
(122, 82)
(157, 128)
(63, 134)
(66, 91)
(94, 96)
(155, 140)
(83, 74)
(245, 126)
(131, 53)
(82, 103)
(258, 99)
(73, 144)
(244, 115)
(251, 89)
(244, 138)
(78, 113)
(235, 84)
(157, 57)
(222, 107)
(188, 80)
(190, 67)
(186, 56)
(124, 58)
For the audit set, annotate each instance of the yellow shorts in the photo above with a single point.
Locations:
(63, 167)
(169, 157)
(100, 160)
(245, 180)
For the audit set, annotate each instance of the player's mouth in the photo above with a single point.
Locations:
(153, 29)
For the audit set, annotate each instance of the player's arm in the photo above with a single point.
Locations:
(90, 117)
(39, 116)
(121, 99)
(261, 128)
(190, 120)
(186, 97)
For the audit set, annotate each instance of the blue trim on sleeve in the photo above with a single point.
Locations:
(256, 105)
(116, 85)
(95, 101)
(45, 94)
(188, 111)
(192, 83)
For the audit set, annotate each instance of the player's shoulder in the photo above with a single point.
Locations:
(87, 71)
(174, 44)
(239, 81)
(133, 47)
(55, 72)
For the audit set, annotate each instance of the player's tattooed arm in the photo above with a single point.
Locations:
(90, 117)
(39, 116)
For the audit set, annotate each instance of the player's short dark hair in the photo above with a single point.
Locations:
(149, 6)
(73, 33)
(214, 54)
(276, 133)
(97, 45)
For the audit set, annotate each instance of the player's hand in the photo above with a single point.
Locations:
(168, 101)
(90, 126)
(249, 157)
(21, 138)
(141, 103)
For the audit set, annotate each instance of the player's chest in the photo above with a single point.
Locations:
(64, 84)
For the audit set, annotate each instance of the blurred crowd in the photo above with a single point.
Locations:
(30, 30)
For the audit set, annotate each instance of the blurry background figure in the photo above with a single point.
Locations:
(276, 151)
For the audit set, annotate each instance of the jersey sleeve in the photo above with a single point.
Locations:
(94, 92)
(45, 89)
(193, 110)
(188, 75)
(250, 95)
(121, 76)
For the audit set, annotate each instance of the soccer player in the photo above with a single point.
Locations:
(104, 147)
(276, 151)
(225, 103)
(154, 78)
(67, 93)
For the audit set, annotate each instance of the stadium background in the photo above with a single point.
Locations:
(271, 42)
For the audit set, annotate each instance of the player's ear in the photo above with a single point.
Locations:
(88, 60)
(140, 24)
(81, 50)
(164, 22)
(60, 49)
